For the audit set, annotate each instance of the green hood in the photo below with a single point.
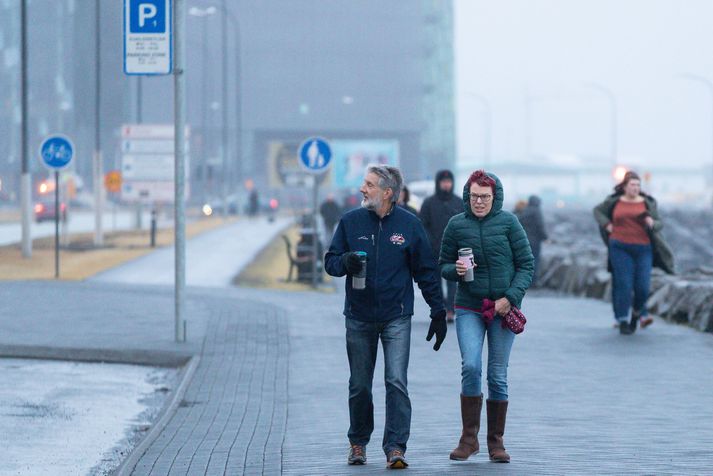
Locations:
(497, 200)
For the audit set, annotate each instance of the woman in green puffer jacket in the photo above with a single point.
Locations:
(504, 266)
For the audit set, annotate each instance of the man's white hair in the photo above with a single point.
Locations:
(389, 178)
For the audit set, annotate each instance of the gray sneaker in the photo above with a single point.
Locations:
(396, 460)
(357, 455)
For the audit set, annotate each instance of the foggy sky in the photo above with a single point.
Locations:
(507, 50)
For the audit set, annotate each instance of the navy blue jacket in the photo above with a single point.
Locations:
(398, 252)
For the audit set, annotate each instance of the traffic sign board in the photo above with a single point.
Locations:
(112, 181)
(56, 151)
(148, 46)
(315, 155)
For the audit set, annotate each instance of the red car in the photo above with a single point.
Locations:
(44, 210)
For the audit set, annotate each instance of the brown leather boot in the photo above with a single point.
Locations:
(470, 408)
(497, 410)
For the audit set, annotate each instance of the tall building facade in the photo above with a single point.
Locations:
(374, 77)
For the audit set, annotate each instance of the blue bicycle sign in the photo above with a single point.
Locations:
(56, 151)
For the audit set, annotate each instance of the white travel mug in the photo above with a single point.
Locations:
(465, 256)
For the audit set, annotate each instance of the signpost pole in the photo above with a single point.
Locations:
(180, 150)
(56, 152)
(315, 156)
(56, 224)
(315, 236)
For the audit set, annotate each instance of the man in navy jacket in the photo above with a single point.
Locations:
(398, 252)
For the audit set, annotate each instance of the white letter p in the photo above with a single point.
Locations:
(146, 11)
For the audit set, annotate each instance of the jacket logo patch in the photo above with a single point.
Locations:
(363, 238)
(397, 239)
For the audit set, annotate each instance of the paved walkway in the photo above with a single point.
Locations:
(269, 392)
(584, 400)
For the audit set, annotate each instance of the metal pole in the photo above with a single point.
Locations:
(708, 84)
(238, 105)
(613, 123)
(204, 115)
(224, 110)
(315, 236)
(528, 123)
(97, 162)
(139, 100)
(25, 179)
(180, 148)
(56, 224)
(487, 125)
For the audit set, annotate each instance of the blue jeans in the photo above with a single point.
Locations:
(631, 274)
(362, 345)
(471, 330)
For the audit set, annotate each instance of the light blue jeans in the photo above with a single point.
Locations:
(471, 330)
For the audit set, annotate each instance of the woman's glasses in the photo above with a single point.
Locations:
(484, 198)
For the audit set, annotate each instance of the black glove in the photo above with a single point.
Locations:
(352, 262)
(439, 328)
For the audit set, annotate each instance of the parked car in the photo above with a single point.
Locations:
(45, 210)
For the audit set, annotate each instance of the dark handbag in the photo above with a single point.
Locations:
(514, 320)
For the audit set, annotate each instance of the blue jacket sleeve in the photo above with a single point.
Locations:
(424, 270)
(333, 264)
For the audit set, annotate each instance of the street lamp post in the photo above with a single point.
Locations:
(202, 13)
(227, 17)
(613, 124)
(98, 163)
(487, 125)
(709, 85)
(25, 179)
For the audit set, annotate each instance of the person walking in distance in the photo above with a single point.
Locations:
(435, 213)
(630, 226)
(404, 198)
(495, 241)
(533, 222)
(382, 249)
(330, 212)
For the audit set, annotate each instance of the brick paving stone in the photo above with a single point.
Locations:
(227, 413)
(270, 393)
(583, 399)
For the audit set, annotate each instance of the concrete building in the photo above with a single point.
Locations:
(370, 74)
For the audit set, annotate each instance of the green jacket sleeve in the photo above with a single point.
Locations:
(600, 213)
(524, 263)
(653, 210)
(449, 254)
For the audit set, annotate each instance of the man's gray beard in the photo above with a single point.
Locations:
(369, 205)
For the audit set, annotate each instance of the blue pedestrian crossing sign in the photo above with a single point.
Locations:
(56, 151)
(315, 155)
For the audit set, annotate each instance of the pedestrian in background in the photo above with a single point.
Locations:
(404, 199)
(503, 272)
(533, 222)
(630, 226)
(330, 212)
(253, 203)
(397, 253)
(435, 212)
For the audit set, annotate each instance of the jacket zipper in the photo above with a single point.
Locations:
(485, 257)
(376, 275)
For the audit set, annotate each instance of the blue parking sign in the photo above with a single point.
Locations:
(148, 42)
(147, 16)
